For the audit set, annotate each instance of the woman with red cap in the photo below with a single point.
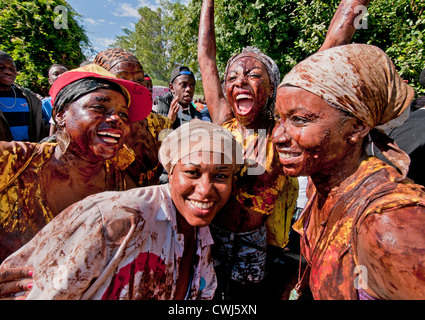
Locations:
(93, 110)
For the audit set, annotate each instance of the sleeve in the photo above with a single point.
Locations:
(13, 155)
(66, 255)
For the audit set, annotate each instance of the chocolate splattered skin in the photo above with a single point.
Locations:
(363, 227)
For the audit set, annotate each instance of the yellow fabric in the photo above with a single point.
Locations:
(271, 193)
(144, 142)
(23, 205)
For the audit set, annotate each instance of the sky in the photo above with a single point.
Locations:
(105, 19)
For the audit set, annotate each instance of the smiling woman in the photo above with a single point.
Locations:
(145, 243)
(92, 110)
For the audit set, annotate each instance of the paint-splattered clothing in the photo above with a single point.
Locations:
(23, 205)
(145, 140)
(116, 245)
(267, 191)
(333, 257)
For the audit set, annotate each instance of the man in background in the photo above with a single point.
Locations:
(20, 110)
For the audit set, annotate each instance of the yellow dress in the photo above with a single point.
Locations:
(23, 204)
(270, 193)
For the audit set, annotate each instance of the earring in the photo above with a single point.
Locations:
(353, 140)
(63, 139)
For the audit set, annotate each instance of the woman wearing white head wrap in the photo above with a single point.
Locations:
(150, 243)
(364, 222)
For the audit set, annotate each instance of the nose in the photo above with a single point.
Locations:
(115, 118)
(279, 135)
(241, 79)
(7, 71)
(205, 186)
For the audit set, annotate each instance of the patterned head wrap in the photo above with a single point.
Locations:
(362, 80)
(109, 58)
(199, 136)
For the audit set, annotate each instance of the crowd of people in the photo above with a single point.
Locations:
(309, 187)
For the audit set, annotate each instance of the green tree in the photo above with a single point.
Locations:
(148, 43)
(163, 39)
(39, 33)
(397, 27)
(289, 31)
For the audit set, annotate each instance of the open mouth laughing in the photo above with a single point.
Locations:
(244, 103)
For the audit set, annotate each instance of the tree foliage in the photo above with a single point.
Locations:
(36, 35)
(288, 31)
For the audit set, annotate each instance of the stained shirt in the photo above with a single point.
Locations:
(268, 191)
(23, 204)
(333, 256)
(116, 245)
(145, 140)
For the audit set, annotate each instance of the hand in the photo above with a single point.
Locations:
(14, 282)
(174, 108)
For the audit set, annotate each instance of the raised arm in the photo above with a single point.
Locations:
(217, 104)
(343, 24)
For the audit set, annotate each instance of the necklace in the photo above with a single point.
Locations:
(295, 293)
(14, 103)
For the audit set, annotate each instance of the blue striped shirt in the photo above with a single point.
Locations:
(17, 114)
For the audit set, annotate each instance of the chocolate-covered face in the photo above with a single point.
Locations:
(248, 88)
(97, 124)
(129, 70)
(311, 136)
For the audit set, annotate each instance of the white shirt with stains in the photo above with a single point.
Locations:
(115, 245)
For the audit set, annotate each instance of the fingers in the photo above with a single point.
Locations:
(15, 280)
(174, 108)
(14, 287)
(15, 273)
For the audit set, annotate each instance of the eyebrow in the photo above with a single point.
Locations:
(198, 166)
(103, 99)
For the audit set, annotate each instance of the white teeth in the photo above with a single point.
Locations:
(202, 205)
(113, 135)
(109, 137)
(288, 155)
(243, 96)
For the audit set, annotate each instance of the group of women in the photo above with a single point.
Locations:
(362, 230)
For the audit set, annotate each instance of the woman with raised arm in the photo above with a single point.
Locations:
(263, 199)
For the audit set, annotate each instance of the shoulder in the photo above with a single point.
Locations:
(27, 93)
(390, 242)
(20, 152)
(141, 202)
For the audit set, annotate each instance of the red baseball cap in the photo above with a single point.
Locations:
(138, 97)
